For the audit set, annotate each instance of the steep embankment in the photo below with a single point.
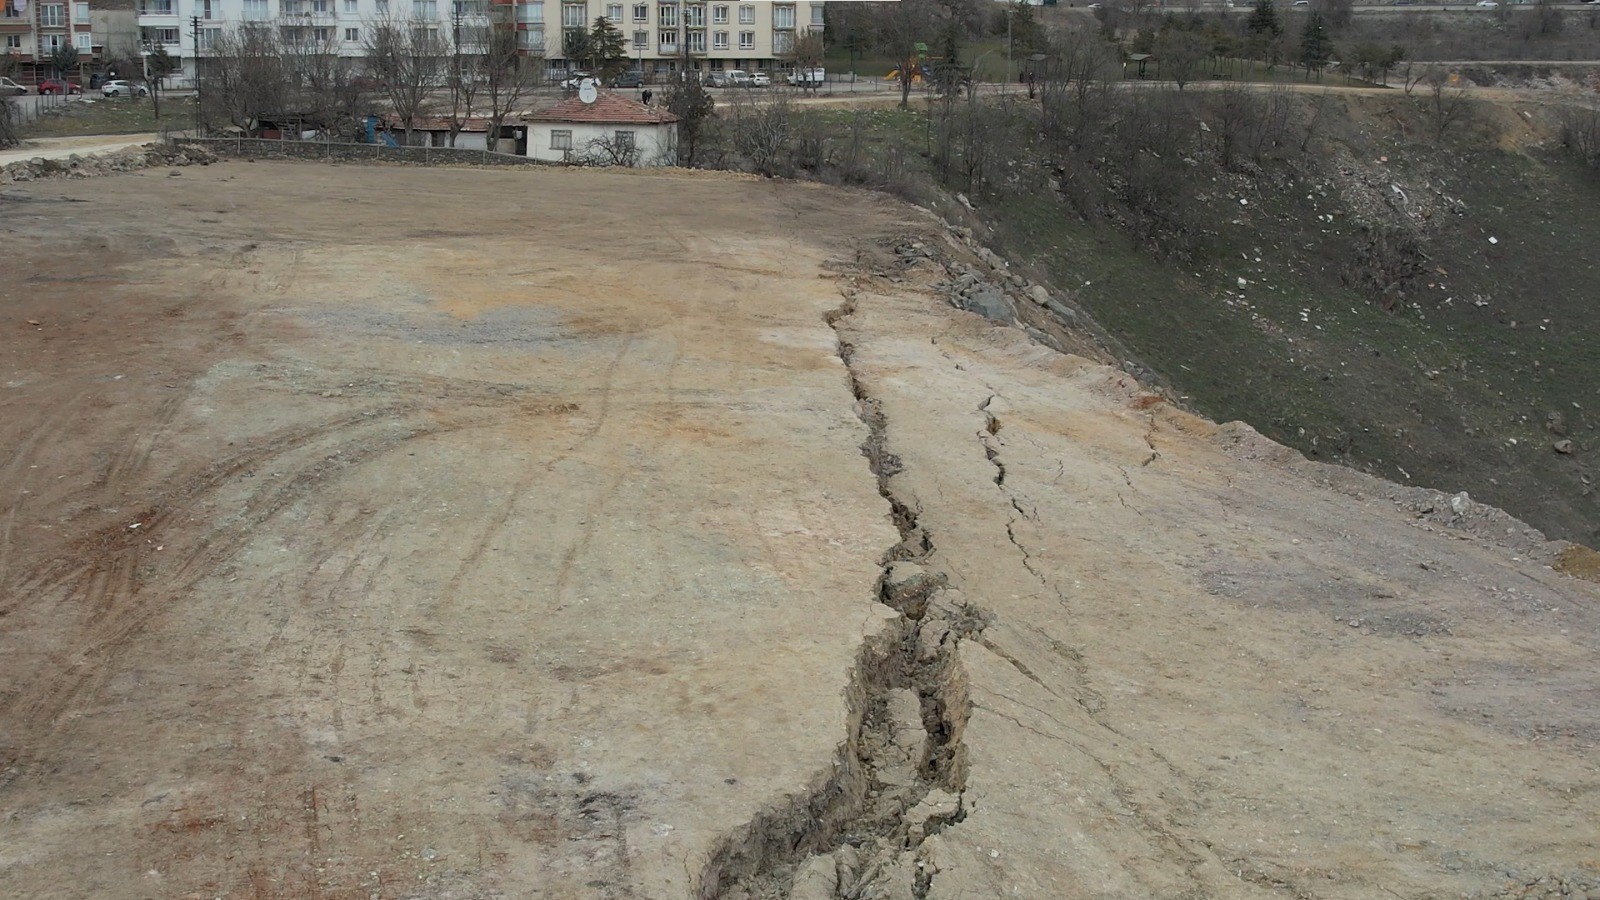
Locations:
(1412, 306)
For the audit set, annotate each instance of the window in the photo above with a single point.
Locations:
(574, 16)
(719, 40)
(531, 13)
(747, 14)
(719, 15)
(531, 39)
(352, 35)
(747, 40)
(467, 8)
(322, 7)
(50, 43)
(783, 17)
(352, 7)
(13, 41)
(424, 9)
(694, 17)
(560, 139)
(697, 42)
(211, 9)
(782, 41)
(641, 40)
(255, 10)
(209, 37)
(816, 15)
(623, 140)
(151, 8)
(80, 12)
(383, 7)
(614, 12)
(669, 41)
(10, 12)
(158, 35)
(641, 12)
(54, 15)
(667, 16)
(322, 36)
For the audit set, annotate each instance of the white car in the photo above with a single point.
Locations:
(9, 87)
(577, 80)
(1488, 4)
(120, 88)
(760, 79)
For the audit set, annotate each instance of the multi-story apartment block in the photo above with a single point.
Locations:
(32, 31)
(704, 35)
(661, 35)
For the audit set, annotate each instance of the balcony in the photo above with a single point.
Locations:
(157, 8)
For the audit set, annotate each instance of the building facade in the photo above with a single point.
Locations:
(661, 36)
(31, 33)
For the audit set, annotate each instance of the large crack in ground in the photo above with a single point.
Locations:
(900, 774)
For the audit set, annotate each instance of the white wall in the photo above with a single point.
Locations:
(656, 143)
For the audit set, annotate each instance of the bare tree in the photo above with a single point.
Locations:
(1447, 99)
(903, 26)
(245, 77)
(761, 129)
(323, 84)
(408, 59)
(507, 77)
(806, 54)
(468, 39)
(1181, 53)
(616, 149)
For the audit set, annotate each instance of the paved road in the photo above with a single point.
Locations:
(83, 145)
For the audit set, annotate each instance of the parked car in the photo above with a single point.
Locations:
(760, 79)
(576, 80)
(1302, 2)
(631, 79)
(738, 78)
(59, 86)
(1488, 4)
(122, 88)
(10, 88)
(807, 77)
(719, 80)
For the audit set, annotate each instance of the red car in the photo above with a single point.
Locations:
(59, 86)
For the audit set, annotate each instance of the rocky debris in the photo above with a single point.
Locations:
(132, 159)
(1562, 446)
(1573, 886)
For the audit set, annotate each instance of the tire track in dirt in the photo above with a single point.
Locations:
(14, 477)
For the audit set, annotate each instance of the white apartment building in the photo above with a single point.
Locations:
(660, 35)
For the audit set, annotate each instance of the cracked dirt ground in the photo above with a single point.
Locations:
(572, 534)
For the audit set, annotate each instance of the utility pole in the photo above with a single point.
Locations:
(194, 25)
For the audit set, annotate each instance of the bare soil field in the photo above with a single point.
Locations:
(388, 532)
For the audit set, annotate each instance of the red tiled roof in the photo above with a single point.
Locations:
(607, 109)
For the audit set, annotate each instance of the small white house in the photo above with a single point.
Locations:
(612, 130)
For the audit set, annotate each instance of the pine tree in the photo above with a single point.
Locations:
(1264, 19)
(1316, 48)
(607, 51)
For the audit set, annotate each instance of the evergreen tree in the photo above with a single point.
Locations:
(606, 53)
(1264, 20)
(1316, 48)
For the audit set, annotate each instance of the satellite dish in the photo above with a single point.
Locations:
(587, 92)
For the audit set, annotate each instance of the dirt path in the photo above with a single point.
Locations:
(61, 148)
(367, 543)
